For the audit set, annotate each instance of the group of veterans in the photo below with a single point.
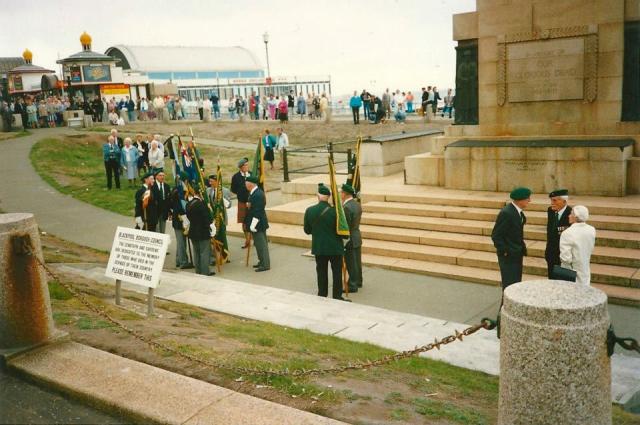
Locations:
(570, 240)
(328, 246)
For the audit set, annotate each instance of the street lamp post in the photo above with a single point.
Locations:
(265, 38)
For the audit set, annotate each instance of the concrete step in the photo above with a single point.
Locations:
(597, 205)
(292, 234)
(617, 294)
(293, 213)
(602, 254)
(600, 222)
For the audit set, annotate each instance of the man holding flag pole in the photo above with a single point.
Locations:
(328, 226)
(258, 173)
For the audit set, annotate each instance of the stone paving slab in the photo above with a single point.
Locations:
(147, 393)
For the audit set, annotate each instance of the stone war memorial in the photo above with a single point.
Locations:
(547, 93)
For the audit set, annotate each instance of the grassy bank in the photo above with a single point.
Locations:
(73, 165)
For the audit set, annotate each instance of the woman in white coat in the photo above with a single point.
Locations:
(576, 244)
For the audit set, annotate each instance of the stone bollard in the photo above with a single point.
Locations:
(25, 308)
(554, 367)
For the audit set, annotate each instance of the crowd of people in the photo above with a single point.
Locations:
(398, 104)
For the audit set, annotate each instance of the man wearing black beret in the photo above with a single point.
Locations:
(557, 222)
(508, 236)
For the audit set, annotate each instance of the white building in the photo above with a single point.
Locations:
(202, 71)
(28, 78)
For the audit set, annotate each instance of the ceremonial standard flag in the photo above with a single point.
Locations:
(342, 227)
(219, 213)
(258, 164)
(354, 175)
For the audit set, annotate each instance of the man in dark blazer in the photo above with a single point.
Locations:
(326, 244)
(257, 223)
(353, 250)
(145, 210)
(200, 232)
(508, 236)
(161, 192)
(557, 222)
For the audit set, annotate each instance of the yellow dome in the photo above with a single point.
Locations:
(85, 39)
(27, 55)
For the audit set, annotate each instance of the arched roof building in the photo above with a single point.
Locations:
(199, 72)
(188, 63)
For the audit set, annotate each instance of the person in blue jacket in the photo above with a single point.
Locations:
(355, 103)
(111, 154)
(269, 142)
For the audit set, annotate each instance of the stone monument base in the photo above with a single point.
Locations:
(586, 165)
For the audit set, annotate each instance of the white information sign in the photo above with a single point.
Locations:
(137, 256)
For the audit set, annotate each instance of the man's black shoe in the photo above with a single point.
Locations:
(262, 269)
(344, 299)
(212, 274)
(187, 266)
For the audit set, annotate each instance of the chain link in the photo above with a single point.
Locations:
(485, 323)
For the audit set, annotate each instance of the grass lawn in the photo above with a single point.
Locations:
(74, 166)
(413, 391)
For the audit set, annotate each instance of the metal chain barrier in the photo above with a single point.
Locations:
(485, 323)
(626, 343)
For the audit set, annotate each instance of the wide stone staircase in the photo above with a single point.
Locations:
(447, 234)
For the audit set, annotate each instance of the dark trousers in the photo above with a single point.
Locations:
(353, 259)
(322, 261)
(201, 256)
(356, 114)
(112, 167)
(550, 263)
(262, 249)
(367, 110)
(201, 113)
(510, 270)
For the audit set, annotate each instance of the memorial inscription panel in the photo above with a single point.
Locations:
(545, 70)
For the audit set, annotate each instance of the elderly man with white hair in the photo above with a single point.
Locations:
(576, 244)
(118, 139)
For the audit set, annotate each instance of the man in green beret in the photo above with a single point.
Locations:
(557, 222)
(508, 236)
(353, 251)
(326, 244)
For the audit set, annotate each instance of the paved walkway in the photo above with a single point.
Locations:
(355, 322)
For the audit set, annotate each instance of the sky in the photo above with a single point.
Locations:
(373, 44)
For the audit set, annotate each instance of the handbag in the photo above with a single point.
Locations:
(561, 273)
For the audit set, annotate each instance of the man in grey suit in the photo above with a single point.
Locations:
(257, 223)
(226, 194)
(353, 248)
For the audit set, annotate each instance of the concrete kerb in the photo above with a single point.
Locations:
(147, 394)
